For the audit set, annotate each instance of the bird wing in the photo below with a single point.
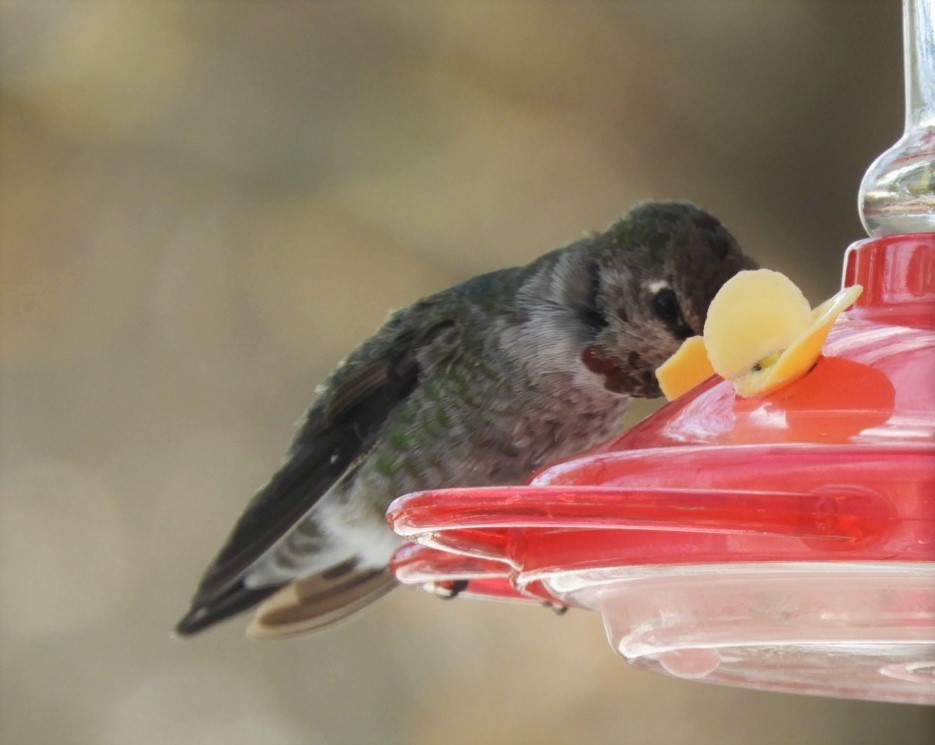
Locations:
(338, 432)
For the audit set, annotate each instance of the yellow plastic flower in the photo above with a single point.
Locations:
(760, 334)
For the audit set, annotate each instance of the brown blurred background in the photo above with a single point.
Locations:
(206, 205)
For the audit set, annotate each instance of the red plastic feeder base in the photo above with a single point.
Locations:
(785, 543)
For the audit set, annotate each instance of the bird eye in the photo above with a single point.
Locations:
(666, 305)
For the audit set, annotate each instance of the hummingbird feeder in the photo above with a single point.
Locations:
(783, 542)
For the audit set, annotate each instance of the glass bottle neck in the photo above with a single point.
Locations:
(919, 58)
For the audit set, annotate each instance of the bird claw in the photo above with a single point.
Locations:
(557, 608)
(452, 589)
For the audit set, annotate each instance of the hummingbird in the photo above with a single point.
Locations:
(480, 384)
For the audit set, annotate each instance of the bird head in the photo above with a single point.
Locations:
(633, 293)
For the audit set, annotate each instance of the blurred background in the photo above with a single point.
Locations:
(206, 205)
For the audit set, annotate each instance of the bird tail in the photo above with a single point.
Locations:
(319, 601)
(296, 607)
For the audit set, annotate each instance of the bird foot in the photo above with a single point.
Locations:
(451, 590)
